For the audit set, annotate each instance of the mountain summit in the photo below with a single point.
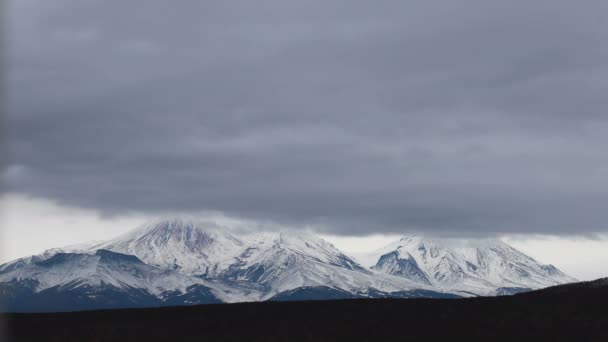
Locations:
(487, 266)
(198, 248)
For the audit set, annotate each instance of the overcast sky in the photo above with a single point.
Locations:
(467, 118)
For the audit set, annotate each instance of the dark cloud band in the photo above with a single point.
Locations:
(357, 116)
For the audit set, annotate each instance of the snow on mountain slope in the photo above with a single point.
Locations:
(482, 267)
(266, 263)
(104, 279)
(175, 260)
(192, 247)
(250, 267)
(101, 268)
(287, 260)
(18, 263)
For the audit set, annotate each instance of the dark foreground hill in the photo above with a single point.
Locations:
(577, 312)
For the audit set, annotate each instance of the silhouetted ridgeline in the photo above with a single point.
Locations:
(575, 312)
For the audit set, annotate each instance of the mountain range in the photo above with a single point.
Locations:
(184, 262)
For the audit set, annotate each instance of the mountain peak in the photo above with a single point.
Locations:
(193, 246)
(465, 264)
(177, 224)
(295, 236)
(418, 239)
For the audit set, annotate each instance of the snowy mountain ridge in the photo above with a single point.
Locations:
(169, 260)
(267, 262)
(197, 248)
(477, 266)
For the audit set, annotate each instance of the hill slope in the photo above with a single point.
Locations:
(574, 312)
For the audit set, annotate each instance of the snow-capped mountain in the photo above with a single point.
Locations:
(173, 259)
(266, 263)
(282, 261)
(18, 263)
(104, 279)
(193, 247)
(484, 267)
(180, 262)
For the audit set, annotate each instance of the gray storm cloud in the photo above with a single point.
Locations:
(461, 117)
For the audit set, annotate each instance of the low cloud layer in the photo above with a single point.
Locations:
(354, 116)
